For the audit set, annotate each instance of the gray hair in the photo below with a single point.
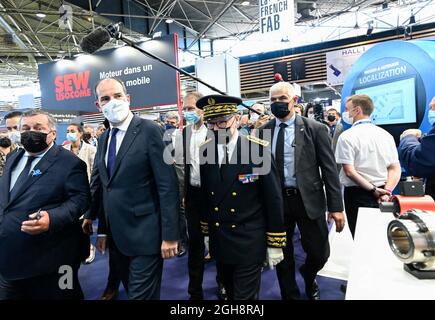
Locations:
(36, 112)
(282, 85)
(172, 115)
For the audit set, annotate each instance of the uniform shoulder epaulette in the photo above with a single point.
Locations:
(205, 142)
(256, 140)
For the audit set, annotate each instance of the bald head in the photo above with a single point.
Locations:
(108, 89)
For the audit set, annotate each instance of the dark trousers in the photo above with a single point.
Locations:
(140, 275)
(242, 282)
(354, 198)
(45, 287)
(182, 223)
(314, 238)
(114, 278)
(196, 242)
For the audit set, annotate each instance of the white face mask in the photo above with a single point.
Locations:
(346, 118)
(311, 116)
(14, 136)
(116, 110)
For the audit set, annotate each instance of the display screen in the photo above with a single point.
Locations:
(394, 102)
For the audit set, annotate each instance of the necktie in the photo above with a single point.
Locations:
(279, 151)
(22, 177)
(225, 162)
(111, 157)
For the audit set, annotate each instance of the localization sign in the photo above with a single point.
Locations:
(69, 84)
(276, 17)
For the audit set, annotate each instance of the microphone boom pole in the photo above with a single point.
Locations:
(114, 31)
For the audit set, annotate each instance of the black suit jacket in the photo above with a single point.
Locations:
(241, 218)
(62, 189)
(313, 151)
(140, 199)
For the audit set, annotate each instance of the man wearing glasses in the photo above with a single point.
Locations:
(242, 201)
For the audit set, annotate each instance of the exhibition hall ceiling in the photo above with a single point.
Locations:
(30, 32)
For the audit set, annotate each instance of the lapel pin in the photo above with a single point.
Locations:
(36, 173)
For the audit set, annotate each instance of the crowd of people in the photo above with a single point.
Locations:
(221, 183)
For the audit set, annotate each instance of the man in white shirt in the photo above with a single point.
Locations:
(371, 168)
(193, 135)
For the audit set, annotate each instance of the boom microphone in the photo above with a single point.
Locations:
(99, 37)
(278, 77)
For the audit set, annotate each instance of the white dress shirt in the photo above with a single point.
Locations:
(123, 126)
(370, 149)
(22, 163)
(229, 148)
(198, 137)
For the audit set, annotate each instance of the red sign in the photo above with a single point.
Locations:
(72, 86)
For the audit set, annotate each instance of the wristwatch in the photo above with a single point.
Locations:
(373, 190)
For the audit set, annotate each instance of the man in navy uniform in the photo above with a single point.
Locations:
(242, 201)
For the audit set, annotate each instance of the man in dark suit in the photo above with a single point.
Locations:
(302, 150)
(242, 202)
(416, 153)
(43, 192)
(138, 193)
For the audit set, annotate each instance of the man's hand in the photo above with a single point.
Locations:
(169, 249)
(101, 244)
(381, 194)
(261, 121)
(87, 227)
(411, 132)
(37, 223)
(339, 219)
(274, 256)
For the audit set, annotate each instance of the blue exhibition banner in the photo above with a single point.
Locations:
(398, 76)
(69, 84)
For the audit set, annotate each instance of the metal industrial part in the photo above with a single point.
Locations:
(412, 239)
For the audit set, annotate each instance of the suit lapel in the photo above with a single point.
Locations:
(11, 163)
(102, 157)
(299, 139)
(43, 165)
(130, 135)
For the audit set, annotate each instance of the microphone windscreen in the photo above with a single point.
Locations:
(95, 40)
(278, 77)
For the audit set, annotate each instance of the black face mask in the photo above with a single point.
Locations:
(280, 109)
(86, 137)
(331, 118)
(222, 136)
(34, 141)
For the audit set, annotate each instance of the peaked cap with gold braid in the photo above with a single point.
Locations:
(216, 106)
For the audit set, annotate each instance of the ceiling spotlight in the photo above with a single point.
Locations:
(40, 14)
(245, 3)
(412, 18)
(157, 34)
(370, 28)
(169, 20)
(356, 21)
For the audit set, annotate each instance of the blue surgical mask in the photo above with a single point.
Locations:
(169, 126)
(191, 117)
(431, 116)
(71, 136)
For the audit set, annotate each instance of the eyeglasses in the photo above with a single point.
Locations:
(221, 124)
